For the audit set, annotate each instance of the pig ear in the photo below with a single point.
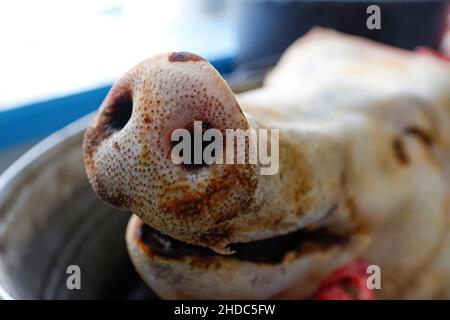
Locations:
(103, 165)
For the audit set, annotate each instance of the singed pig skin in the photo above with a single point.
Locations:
(364, 150)
(388, 110)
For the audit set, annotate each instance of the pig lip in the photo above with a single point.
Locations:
(267, 251)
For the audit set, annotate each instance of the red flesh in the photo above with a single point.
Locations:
(335, 286)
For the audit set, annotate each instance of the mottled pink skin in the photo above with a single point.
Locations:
(129, 164)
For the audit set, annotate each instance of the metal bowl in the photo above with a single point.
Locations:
(50, 218)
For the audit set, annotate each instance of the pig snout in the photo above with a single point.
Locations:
(128, 148)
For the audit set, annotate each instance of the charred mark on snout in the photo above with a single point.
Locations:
(184, 56)
(269, 251)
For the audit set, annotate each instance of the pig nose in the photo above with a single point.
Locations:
(128, 147)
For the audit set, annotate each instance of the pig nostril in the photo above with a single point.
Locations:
(192, 165)
(119, 112)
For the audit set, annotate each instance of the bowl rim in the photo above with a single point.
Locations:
(17, 169)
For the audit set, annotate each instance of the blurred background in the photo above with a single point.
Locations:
(58, 59)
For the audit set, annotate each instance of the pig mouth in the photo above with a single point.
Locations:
(268, 251)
